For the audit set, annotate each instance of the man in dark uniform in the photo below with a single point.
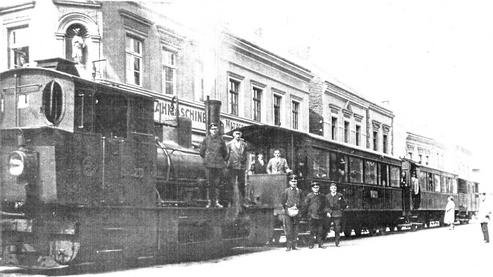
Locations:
(291, 197)
(214, 152)
(334, 206)
(314, 205)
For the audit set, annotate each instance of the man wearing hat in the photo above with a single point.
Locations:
(334, 207)
(237, 153)
(314, 207)
(214, 153)
(291, 200)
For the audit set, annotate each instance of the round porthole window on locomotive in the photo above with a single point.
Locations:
(53, 102)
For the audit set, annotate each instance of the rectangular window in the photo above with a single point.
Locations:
(133, 50)
(169, 72)
(18, 47)
(295, 113)
(277, 110)
(375, 140)
(385, 143)
(338, 167)
(257, 104)
(371, 172)
(355, 170)
(437, 183)
(321, 164)
(358, 135)
(346, 131)
(234, 90)
(395, 173)
(423, 184)
(384, 175)
(334, 128)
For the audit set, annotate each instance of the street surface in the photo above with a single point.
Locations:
(430, 252)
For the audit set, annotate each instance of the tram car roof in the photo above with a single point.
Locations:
(258, 134)
(429, 168)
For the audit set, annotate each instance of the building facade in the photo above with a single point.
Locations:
(133, 45)
(342, 116)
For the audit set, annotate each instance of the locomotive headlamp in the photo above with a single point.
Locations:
(17, 161)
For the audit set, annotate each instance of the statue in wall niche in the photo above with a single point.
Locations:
(78, 46)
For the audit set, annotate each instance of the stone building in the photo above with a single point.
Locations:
(345, 117)
(133, 45)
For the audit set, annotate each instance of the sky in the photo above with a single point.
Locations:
(431, 60)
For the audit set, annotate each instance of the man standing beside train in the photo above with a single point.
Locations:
(334, 206)
(237, 152)
(484, 214)
(314, 206)
(214, 152)
(291, 203)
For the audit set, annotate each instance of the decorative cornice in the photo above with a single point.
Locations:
(165, 31)
(297, 98)
(135, 17)
(278, 91)
(86, 4)
(235, 76)
(19, 7)
(347, 113)
(358, 117)
(334, 108)
(375, 124)
(385, 128)
(257, 84)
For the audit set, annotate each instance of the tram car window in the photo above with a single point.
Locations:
(384, 175)
(355, 170)
(395, 173)
(370, 172)
(437, 183)
(52, 102)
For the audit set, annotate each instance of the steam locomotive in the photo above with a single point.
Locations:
(86, 180)
(87, 176)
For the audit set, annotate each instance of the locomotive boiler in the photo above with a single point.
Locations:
(88, 176)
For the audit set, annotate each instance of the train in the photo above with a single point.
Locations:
(382, 192)
(89, 177)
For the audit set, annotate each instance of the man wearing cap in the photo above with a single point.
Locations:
(214, 153)
(291, 198)
(314, 205)
(334, 207)
(237, 162)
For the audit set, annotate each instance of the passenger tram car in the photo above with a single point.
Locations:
(377, 187)
(85, 181)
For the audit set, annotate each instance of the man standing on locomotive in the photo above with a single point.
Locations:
(314, 206)
(334, 206)
(291, 202)
(214, 152)
(237, 152)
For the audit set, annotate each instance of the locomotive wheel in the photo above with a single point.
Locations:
(347, 233)
(357, 231)
(382, 230)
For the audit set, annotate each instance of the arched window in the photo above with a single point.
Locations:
(75, 43)
(53, 102)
